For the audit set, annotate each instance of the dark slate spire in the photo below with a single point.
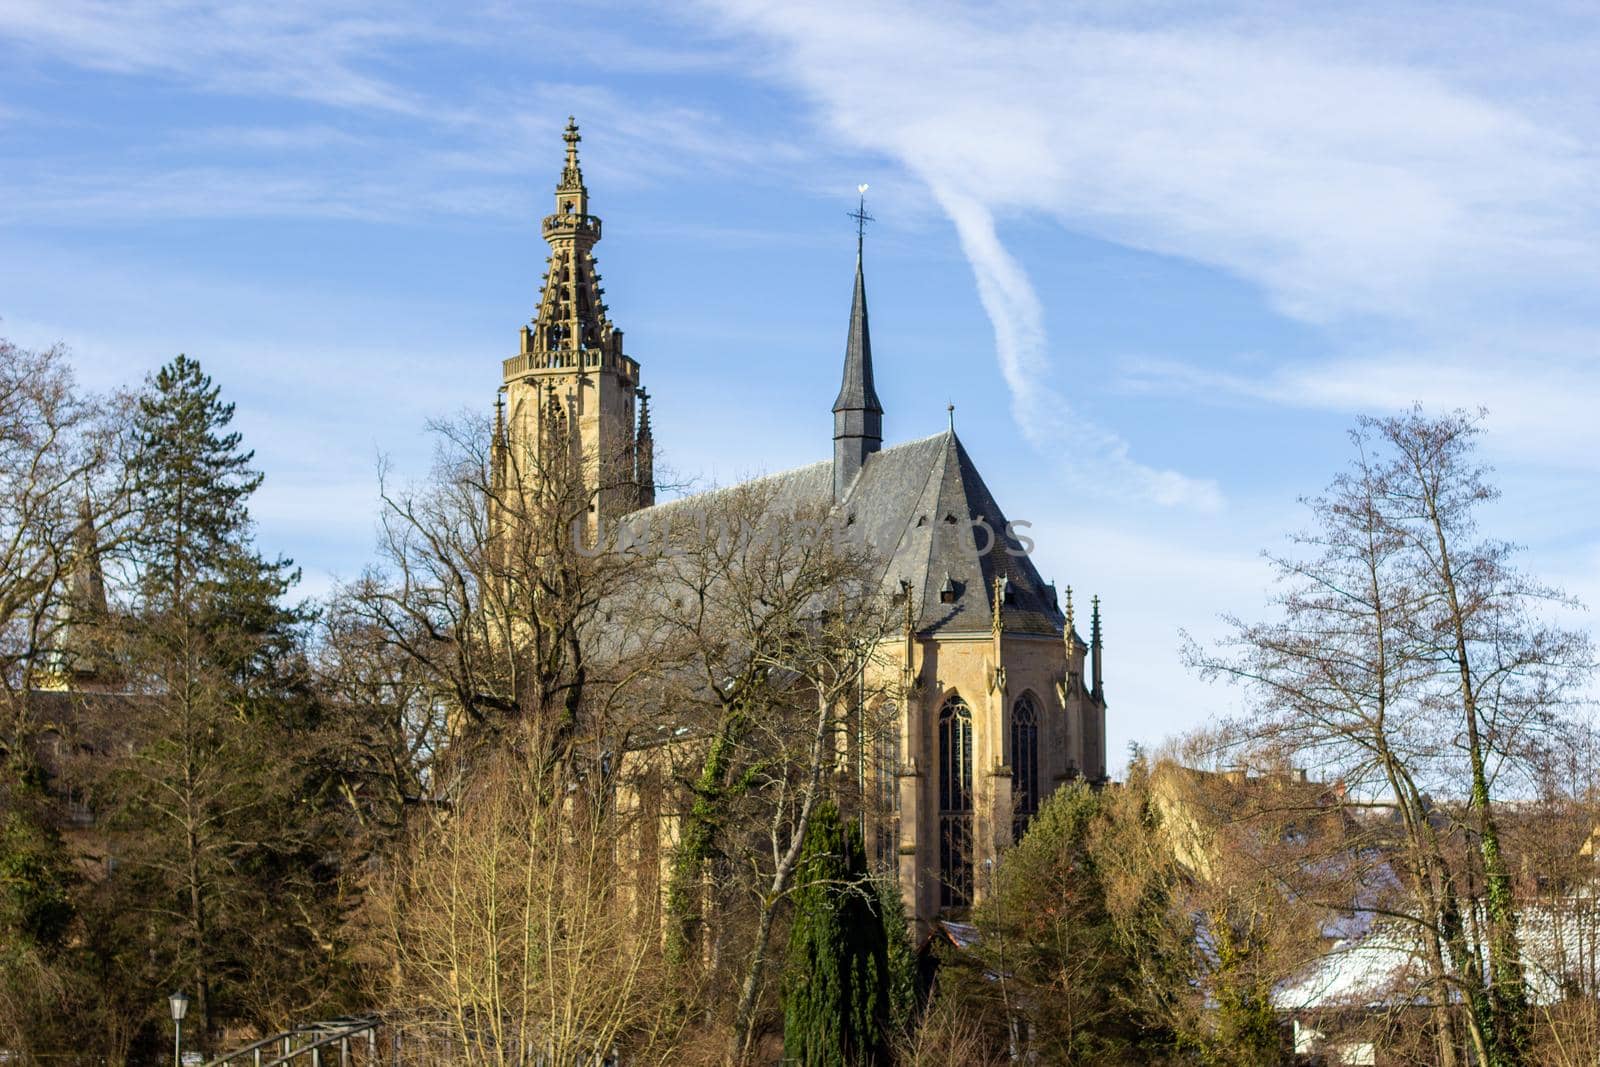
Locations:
(857, 414)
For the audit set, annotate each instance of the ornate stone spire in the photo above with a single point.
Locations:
(857, 413)
(570, 386)
(572, 311)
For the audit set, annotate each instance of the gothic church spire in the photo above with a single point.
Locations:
(571, 387)
(857, 413)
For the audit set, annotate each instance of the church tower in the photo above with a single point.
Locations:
(857, 414)
(570, 390)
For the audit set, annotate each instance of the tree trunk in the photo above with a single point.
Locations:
(751, 986)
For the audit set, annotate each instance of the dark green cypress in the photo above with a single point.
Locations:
(836, 986)
(902, 956)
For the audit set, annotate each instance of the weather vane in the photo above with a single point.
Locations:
(860, 215)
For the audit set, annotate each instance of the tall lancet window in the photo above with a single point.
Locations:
(888, 771)
(1024, 764)
(955, 804)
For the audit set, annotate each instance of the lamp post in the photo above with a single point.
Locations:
(179, 1003)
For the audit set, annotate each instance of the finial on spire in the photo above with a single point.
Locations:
(571, 174)
(1072, 639)
(950, 410)
(861, 216)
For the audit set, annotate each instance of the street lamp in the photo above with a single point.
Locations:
(179, 1003)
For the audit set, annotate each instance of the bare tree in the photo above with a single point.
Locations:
(60, 494)
(492, 581)
(515, 934)
(947, 1036)
(57, 488)
(768, 625)
(1410, 659)
(384, 722)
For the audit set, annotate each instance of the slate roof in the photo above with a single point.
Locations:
(914, 503)
(856, 391)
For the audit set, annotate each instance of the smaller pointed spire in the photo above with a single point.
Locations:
(88, 578)
(77, 656)
(857, 412)
(644, 453)
(1098, 690)
(571, 174)
(499, 444)
(1072, 637)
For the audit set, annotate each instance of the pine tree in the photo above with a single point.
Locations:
(210, 808)
(191, 479)
(836, 989)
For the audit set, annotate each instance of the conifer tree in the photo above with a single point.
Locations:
(209, 807)
(836, 992)
(192, 480)
(902, 981)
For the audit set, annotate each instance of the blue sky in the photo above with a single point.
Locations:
(1158, 255)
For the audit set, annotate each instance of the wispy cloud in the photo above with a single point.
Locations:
(311, 51)
(392, 137)
(1352, 173)
(1542, 413)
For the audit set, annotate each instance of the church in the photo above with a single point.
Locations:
(996, 709)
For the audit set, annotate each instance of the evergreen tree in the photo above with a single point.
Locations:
(191, 479)
(218, 840)
(902, 983)
(1046, 929)
(836, 989)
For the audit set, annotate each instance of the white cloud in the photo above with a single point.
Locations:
(308, 50)
(1353, 173)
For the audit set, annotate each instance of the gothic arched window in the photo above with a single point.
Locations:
(888, 771)
(1024, 763)
(955, 804)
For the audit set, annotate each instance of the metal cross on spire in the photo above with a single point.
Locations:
(860, 215)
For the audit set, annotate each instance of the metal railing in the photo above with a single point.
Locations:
(313, 1041)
